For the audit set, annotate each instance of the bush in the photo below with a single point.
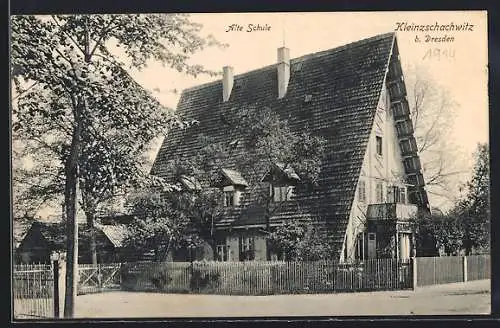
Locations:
(204, 281)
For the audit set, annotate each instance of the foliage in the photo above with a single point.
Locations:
(157, 226)
(71, 86)
(467, 225)
(204, 280)
(473, 210)
(56, 65)
(301, 241)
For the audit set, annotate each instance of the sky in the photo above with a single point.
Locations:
(459, 66)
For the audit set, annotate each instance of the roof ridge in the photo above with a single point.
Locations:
(296, 59)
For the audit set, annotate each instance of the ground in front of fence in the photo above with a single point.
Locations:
(451, 299)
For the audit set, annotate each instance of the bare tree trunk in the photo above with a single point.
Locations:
(70, 199)
(89, 208)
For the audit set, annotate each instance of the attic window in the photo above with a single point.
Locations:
(308, 98)
(282, 193)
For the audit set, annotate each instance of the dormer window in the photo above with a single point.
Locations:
(232, 185)
(282, 193)
(282, 179)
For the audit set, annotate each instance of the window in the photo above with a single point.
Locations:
(228, 198)
(395, 90)
(362, 191)
(404, 128)
(379, 192)
(402, 195)
(282, 193)
(379, 145)
(407, 146)
(360, 246)
(396, 194)
(247, 248)
(223, 253)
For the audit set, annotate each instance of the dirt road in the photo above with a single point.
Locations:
(461, 298)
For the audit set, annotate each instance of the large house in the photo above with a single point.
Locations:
(370, 182)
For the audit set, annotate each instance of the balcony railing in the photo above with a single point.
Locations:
(391, 211)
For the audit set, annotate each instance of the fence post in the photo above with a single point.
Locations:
(59, 283)
(414, 272)
(464, 268)
(55, 281)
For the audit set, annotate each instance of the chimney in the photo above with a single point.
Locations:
(283, 70)
(227, 82)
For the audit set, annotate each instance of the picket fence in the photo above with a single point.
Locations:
(266, 278)
(32, 291)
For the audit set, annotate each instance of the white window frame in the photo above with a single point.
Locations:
(229, 198)
(247, 243)
(223, 253)
(282, 193)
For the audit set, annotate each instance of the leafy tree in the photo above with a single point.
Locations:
(156, 227)
(473, 210)
(435, 232)
(301, 241)
(70, 85)
(467, 225)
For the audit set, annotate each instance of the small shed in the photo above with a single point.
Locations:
(44, 238)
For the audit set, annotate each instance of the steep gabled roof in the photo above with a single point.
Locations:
(116, 233)
(333, 94)
(285, 172)
(233, 177)
(54, 234)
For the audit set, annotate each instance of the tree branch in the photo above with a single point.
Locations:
(67, 34)
(106, 29)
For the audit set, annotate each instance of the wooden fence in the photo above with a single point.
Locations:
(450, 269)
(266, 278)
(99, 278)
(33, 291)
(478, 267)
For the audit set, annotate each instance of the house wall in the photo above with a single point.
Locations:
(387, 169)
(259, 243)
